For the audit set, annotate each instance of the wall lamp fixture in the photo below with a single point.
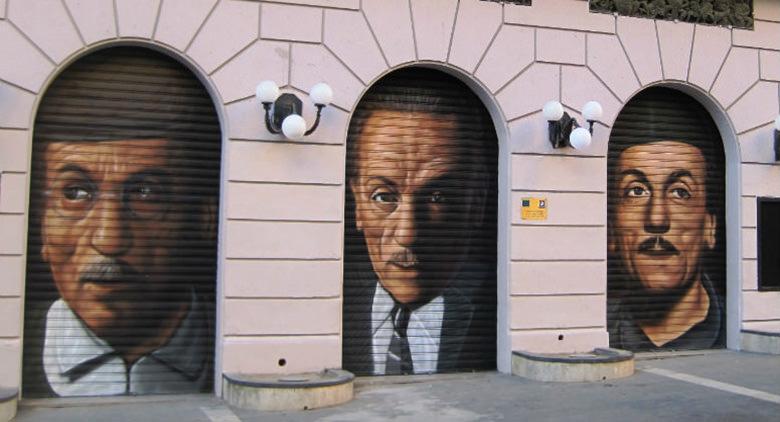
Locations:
(564, 129)
(283, 112)
(777, 138)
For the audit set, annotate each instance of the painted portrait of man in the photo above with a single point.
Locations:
(122, 250)
(666, 277)
(417, 274)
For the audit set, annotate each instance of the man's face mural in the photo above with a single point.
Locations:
(110, 227)
(412, 217)
(661, 222)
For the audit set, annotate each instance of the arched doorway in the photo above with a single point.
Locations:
(666, 225)
(420, 228)
(121, 270)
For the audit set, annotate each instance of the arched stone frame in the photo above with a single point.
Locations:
(732, 199)
(503, 348)
(733, 157)
(213, 94)
(503, 341)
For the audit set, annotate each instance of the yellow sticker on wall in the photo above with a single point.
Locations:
(534, 209)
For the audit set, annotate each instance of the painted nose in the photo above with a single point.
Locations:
(110, 236)
(405, 225)
(657, 218)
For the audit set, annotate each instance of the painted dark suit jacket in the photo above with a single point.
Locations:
(624, 333)
(467, 336)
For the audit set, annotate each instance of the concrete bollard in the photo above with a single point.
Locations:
(761, 341)
(9, 399)
(598, 365)
(288, 392)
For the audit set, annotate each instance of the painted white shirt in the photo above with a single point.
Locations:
(78, 363)
(423, 332)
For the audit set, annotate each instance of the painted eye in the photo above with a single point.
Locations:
(76, 193)
(637, 191)
(147, 199)
(438, 198)
(384, 197)
(680, 193)
(144, 192)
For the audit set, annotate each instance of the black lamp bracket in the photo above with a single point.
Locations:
(561, 129)
(777, 145)
(285, 105)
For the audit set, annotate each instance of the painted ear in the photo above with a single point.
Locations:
(44, 244)
(358, 219)
(710, 228)
(45, 253)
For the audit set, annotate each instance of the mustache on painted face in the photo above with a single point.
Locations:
(405, 259)
(657, 245)
(110, 271)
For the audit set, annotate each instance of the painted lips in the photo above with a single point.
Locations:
(405, 259)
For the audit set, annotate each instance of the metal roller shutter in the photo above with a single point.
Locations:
(666, 247)
(420, 231)
(121, 264)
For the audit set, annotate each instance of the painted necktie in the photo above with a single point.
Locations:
(399, 357)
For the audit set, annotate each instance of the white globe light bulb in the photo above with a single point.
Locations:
(553, 111)
(592, 111)
(321, 94)
(294, 127)
(267, 92)
(579, 138)
(777, 123)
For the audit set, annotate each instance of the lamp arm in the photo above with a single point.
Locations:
(777, 145)
(554, 133)
(268, 121)
(568, 124)
(316, 120)
(571, 124)
(560, 130)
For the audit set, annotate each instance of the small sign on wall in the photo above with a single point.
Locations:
(534, 209)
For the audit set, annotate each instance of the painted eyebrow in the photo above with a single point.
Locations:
(446, 182)
(153, 172)
(71, 168)
(679, 174)
(634, 172)
(381, 179)
(676, 176)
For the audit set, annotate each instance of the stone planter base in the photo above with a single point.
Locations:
(8, 401)
(598, 365)
(761, 341)
(288, 392)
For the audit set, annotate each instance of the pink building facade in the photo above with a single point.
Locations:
(280, 255)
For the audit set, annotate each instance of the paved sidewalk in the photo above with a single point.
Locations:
(709, 386)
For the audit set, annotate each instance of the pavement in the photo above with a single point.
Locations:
(707, 386)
